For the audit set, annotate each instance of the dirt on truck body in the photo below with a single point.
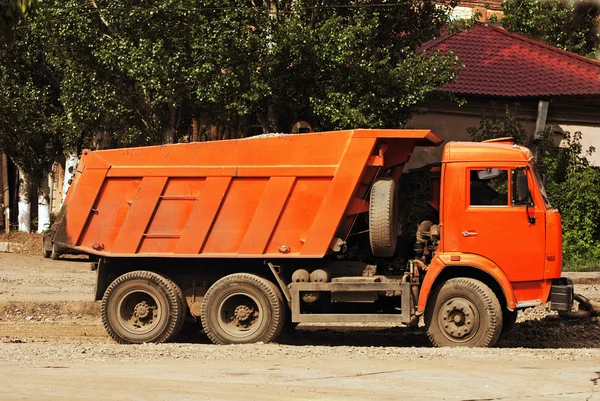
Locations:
(252, 236)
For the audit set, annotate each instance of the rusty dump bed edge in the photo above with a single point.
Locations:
(273, 196)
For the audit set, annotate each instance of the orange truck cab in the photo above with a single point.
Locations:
(252, 236)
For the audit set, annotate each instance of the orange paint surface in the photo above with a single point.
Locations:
(497, 239)
(280, 196)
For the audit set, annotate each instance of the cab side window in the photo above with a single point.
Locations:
(488, 187)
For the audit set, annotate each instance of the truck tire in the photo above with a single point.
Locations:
(288, 325)
(463, 312)
(182, 307)
(383, 218)
(140, 307)
(243, 308)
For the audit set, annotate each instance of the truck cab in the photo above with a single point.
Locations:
(497, 225)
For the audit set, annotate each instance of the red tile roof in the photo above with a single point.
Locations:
(499, 63)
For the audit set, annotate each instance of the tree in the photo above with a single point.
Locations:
(569, 25)
(139, 72)
(574, 188)
(341, 64)
(28, 105)
(11, 13)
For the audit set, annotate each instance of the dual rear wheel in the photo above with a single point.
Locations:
(143, 306)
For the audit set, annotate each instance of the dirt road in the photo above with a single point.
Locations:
(52, 347)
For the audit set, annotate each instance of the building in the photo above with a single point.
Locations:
(551, 87)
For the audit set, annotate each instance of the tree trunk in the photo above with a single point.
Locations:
(70, 166)
(5, 193)
(24, 203)
(43, 205)
(174, 117)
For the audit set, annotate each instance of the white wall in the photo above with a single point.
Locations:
(590, 136)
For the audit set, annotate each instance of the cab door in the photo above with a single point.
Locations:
(501, 226)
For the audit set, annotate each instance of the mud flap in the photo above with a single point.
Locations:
(562, 294)
(101, 283)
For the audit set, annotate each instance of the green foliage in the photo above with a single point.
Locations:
(121, 71)
(465, 24)
(339, 64)
(573, 186)
(415, 191)
(568, 25)
(499, 126)
(28, 105)
(11, 13)
(140, 71)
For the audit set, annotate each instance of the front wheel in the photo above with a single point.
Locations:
(463, 312)
(242, 308)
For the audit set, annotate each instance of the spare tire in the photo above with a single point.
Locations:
(383, 217)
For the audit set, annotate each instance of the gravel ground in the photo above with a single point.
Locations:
(50, 332)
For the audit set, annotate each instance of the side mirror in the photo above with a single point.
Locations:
(488, 173)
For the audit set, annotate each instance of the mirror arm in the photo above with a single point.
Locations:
(530, 219)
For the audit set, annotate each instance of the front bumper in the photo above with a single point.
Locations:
(561, 294)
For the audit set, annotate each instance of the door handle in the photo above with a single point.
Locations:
(469, 233)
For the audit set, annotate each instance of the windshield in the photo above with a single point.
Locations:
(540, 184)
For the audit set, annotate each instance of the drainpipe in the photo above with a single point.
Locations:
(540, 125)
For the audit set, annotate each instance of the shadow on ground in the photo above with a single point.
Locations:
(530, 334)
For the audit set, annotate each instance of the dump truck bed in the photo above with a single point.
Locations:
(273, 196)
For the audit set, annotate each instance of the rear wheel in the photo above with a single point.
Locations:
(242, 308)
(141, 306)
(383, 217)
(182, 307)
(463, 312)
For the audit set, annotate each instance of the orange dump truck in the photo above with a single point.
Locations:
(252, 236)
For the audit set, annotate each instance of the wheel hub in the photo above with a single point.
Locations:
(240, 314)
(139, 312)
(142, 310)
(243, 313)
(458, 319)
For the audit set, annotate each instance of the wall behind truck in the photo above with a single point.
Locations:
(450, 121)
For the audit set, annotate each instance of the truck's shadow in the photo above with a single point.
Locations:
(528, 334)
(560, 333)
(356, 337)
